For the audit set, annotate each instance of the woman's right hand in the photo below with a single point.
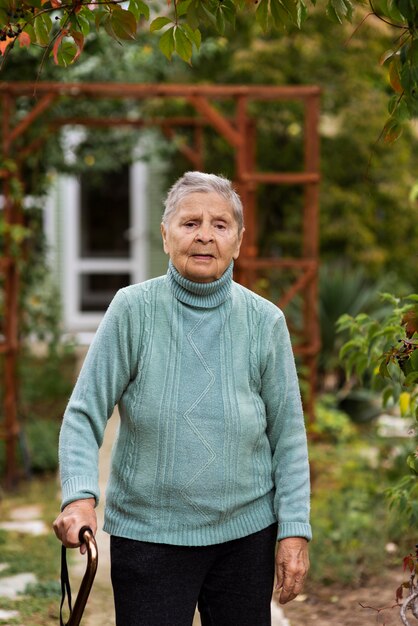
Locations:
(71, 520)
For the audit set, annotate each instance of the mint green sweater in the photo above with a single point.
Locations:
(211, 445)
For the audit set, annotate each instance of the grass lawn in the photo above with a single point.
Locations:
(39, 555)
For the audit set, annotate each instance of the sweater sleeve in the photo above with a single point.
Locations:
(287, 435)
(106, 372)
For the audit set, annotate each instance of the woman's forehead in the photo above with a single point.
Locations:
(211, 203)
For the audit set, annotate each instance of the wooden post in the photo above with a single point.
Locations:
(10, 430)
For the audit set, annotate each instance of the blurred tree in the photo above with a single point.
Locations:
(62, 28)
(367, 217)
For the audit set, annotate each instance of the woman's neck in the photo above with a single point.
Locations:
(201, 295)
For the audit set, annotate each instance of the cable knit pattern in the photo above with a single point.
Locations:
(212, 444)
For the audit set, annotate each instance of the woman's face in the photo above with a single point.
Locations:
(202, 237)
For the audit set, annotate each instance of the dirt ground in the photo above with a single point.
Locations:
(336, 606)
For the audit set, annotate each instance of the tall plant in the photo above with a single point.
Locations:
(386, 352)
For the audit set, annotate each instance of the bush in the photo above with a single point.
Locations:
(351, 520)
(45, 386)
(331, 423)
(41, 438)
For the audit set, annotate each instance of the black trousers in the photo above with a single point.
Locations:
(160, 585)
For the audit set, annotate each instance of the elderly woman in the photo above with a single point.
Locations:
(210, 467)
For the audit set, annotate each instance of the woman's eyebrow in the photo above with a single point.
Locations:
(222, 217)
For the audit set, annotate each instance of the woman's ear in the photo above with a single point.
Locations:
(238, 246)
(164, 236)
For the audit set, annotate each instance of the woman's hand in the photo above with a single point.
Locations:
(71, 520)
(292, 565)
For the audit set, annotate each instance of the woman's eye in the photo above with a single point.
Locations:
(220, 226)
(190, 224)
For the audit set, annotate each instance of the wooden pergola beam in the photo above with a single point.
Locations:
(44, 104)
(147, 90)
(239, 131)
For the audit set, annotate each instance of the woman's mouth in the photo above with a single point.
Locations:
(202, 256)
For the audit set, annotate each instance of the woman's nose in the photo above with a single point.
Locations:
(204, 234)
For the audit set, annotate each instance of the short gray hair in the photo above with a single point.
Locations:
(200, 182)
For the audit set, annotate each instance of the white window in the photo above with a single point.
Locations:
(104, 242)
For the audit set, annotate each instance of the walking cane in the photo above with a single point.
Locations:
(85, 536)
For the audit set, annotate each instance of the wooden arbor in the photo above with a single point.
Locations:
(238, 130)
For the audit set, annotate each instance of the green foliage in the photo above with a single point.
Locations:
(402, 63)
(342, 290)
(63, 29)
(50, 590)
(385, 350)
(332, 424)
(45, 384)
(351, 521)
(41, 441)
(366, 216)
(385, 353)
(38, 554)
(39, 295)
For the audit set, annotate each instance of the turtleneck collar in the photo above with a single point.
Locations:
(201, 295)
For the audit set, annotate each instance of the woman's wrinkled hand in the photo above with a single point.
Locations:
(292, 565)
(71, 520)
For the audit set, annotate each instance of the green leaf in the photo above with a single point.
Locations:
(159, 23)
(278, 13)
(210, 14)
(66, 53)
(31, 32)
(182, 7)
(43, 26)
(228, 9)
(166, 43)
(391, 11)
(411, 461)
(194, 35)
(193, 19)
(413, 52)
(414, 359)
(81, 23)
(262, 14)
(383, 370)
(339, 10)
(387, 395)
(394, 74)
(386, 56)
(361, 364)
(332, 14)
(183, 45)
(139, 8)
(392, 130)
(411, 379)
(220, 21)
(293, 9)
(344, 322)
(406, 9)
(101, 18)
(413, 196)
(347, 347)
(123, 23)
